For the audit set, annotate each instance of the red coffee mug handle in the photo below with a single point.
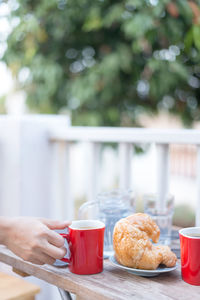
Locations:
(66, 236)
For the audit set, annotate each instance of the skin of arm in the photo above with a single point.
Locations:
(33, 239)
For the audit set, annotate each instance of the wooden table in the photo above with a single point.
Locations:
(112, 283)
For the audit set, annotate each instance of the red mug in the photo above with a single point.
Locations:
(85, 239)
(190, 250)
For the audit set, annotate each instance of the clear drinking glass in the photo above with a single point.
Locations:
(161, 213)
(109, 207)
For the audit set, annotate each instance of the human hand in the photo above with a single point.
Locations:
(34, 240)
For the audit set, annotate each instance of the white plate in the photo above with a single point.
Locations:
(140, 272)
(60, 263)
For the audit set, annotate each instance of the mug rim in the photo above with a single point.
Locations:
(76, 224)
(192, 230)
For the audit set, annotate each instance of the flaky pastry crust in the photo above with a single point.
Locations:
(132, 245)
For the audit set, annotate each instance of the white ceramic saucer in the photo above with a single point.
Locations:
(139, 272)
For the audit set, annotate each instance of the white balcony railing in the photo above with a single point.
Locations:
(35, 163)
(62, 138)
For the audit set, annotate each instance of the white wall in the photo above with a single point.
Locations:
(9, 166)
(25, 164)
(26, 185)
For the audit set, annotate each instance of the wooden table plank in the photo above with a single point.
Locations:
(111, 284)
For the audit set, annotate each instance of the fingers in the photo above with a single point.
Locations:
(46, 259)
(54, 252)
(55, 238)
(54, 245)
(45, 253)
(36, 261)
(41, 259)
(55, 224)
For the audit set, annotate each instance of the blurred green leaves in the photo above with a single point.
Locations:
(93, 20)
(107, 61)
(138, 25)
(196, 36)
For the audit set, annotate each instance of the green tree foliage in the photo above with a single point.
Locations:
(108, 60)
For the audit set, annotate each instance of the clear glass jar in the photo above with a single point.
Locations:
(109, 207)
(161, 214)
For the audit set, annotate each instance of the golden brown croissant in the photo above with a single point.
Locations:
(132, 245)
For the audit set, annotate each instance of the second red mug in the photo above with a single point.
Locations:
(190, 250)
(85, 240)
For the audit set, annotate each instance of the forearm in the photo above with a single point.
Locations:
(5, 223)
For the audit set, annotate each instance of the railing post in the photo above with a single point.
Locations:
(69, 204)
(62, 204)
(125, 156)
(197, 219)
(94, 171)
(55, 208)
(162, 173)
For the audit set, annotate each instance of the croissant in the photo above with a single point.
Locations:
(132, 245)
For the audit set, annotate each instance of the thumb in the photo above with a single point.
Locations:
(55, 224)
